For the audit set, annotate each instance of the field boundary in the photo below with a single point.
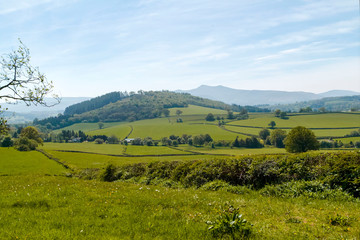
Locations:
(129, 155)
(49, 156)
(131, 130)
(201, 153)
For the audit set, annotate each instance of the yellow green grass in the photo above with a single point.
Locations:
(13, 162)
(65, 208)
(87, 160)
(327, 120)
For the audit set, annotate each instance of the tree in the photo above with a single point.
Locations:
(230, 114)
(283, 115)
(277, 137)
(277, 112)
(166, 112)
(19, 81)
(210, 117)
(272, 124)
(301, 139)
(29, 139)
(101, 125)
(7, 142)
(113, 140)
(263, 134)
(178, 112)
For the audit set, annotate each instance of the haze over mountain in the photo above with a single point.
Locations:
(259, 97)
(19, 113)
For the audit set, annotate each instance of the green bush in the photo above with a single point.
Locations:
(108, 175)
(230, 223)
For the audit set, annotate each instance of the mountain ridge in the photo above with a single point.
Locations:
(260, 97)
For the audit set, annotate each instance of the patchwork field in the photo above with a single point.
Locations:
(324, 125)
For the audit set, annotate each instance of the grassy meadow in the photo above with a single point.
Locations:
(40, 199)
(40, 204)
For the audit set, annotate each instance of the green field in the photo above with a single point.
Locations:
(13, 162)
(328, 120)
(34, 206)
(324, 125)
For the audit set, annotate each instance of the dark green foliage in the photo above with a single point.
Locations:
(201, 139)
(210, 117)
(95, 103)
(230, 223)
(334, 170)
(264, 133)
(301, 139)
(277, 138)
(272, 124)
(108, 175)
(113, 140)
(29, 139)
(7, 142)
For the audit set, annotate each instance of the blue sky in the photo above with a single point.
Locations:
(90, 47)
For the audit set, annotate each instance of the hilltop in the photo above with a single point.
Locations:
(122, 106)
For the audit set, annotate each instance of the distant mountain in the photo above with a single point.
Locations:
(259, 97)
(338, 93)
(332, 104)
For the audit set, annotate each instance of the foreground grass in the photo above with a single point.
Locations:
(63, 208)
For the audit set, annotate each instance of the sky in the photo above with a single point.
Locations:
(90, 47)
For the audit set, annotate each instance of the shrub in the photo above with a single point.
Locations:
(230, 223)
(108, 175)
(7, 142)
(99, 141)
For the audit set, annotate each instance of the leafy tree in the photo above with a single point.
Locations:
(272, 124)
(7, 142)
(29, 139)
(19, 81)
(166, 112)
(283, 115)
(230, 114)
(264, 133)
(277, 112)
(301, 139)
(101, 125)
(113, 140)
(236, 142)
(178, 112)
(277, 137)
(210, 117)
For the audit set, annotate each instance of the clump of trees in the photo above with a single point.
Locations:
(29, 139)
(251, 142)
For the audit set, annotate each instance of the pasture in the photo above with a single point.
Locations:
(324, 125)
(49, 207)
